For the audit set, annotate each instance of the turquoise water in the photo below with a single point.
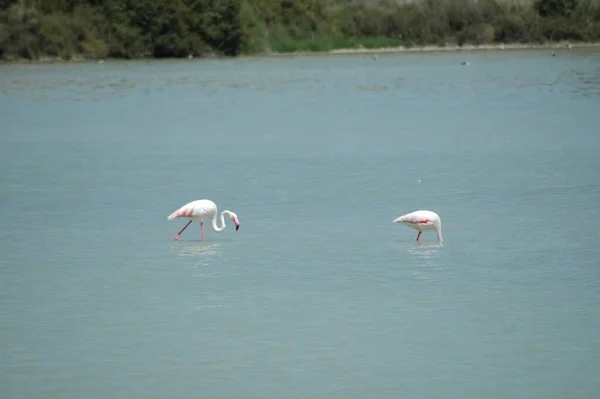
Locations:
(319, 294)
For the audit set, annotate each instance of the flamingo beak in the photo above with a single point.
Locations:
(237, 224)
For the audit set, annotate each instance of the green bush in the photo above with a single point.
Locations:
(563, 8)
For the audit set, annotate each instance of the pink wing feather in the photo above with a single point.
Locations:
(184, 211)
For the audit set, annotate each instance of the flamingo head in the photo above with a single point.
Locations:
(235, 221)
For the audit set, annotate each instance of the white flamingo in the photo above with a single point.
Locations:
(422, 221)
(199, 211)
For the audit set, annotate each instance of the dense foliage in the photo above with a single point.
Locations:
(33, 29)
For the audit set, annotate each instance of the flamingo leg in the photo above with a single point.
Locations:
(202, 230)
(419, 235)
(181, 231)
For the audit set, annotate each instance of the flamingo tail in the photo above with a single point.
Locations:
(182, 212)
(174, 215)
(400, 219)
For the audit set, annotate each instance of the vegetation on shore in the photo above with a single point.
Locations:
(34, 29)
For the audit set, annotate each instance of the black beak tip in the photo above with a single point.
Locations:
(237, 227)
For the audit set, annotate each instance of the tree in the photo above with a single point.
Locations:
(562, 8)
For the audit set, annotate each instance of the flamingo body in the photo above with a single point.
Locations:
(198, 210)
(201, 210)
(422, 221)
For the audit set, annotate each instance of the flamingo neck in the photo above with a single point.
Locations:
(438, 230)
(214, 221)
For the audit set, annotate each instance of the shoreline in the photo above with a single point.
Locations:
(347, 51)
(449, 48)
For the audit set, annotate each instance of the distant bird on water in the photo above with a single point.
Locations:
(422, 221)
(201, 210)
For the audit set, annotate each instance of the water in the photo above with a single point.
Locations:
(319, 294)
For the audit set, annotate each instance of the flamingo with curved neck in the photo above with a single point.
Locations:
(201, 210)
(422, 221)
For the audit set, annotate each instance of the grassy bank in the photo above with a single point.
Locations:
(331, 43)
(558, 46)
(94, 29)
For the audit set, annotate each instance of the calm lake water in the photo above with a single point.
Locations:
(319, 294)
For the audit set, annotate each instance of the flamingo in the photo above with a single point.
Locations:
(422, 221)
(200, 210)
